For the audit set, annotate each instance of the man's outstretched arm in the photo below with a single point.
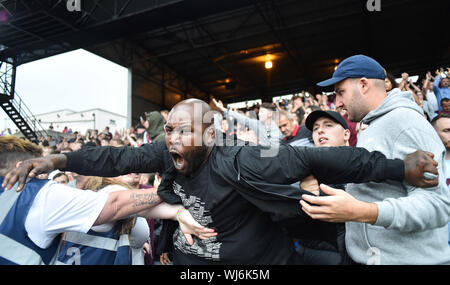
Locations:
(337, 165)
(357, 165)
(92, 161)
(114, 161)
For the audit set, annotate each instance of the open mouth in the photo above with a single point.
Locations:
(323, 140)
(177, 159)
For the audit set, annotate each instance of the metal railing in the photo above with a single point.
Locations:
(7, 90)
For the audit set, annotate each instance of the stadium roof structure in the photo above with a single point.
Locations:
(178, 49)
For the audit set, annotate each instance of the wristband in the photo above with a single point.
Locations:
(181, 210)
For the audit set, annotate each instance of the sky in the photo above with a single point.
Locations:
(77, 80)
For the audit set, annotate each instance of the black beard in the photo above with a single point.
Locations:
(196, 159)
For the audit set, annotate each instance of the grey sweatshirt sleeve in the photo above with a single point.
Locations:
(254, 125)
(421, 208)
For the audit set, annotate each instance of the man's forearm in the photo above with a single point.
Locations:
(253, 124)
(366, 213)
(425, 87)
(437, 79)
(121, 204)
(163, 211)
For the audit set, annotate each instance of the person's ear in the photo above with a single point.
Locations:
(347, 134)
(212, 131)
(364, 85)
(210, 136)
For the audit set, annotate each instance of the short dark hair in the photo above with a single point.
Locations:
(391, 78)
(269, 106)
(441, 115)
(59, 174)
(444, 100)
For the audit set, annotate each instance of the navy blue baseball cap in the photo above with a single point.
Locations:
(356, 66)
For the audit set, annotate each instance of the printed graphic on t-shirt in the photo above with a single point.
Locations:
(207, 248)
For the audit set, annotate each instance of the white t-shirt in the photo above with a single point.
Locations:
(107, 226)
(139, 234)
(59, 208)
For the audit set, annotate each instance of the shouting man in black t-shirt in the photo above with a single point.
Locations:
(243, 192)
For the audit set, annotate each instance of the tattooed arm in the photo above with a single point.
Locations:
(122, 204)
(146, 203)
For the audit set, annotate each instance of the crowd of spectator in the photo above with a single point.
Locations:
(430, 92)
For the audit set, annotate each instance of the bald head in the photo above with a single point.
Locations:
(197, 110)
(193, 103)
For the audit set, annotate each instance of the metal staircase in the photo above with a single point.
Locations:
(14, 106)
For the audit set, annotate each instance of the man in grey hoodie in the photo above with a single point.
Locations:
(266, 126)
(390, 222)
